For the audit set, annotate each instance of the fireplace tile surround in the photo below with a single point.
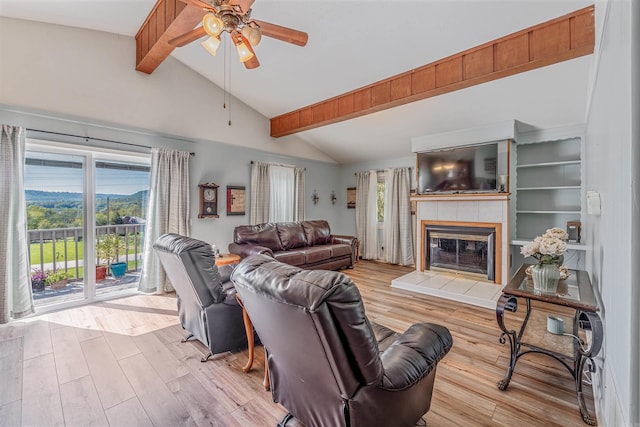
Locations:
(487, 209)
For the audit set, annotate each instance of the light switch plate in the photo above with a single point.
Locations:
(593, 203)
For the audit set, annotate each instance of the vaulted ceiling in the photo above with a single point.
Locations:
(355, 43)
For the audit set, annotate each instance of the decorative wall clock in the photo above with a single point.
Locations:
(208, 201)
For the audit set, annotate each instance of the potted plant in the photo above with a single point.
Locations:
(57, 279)
(108, 249)
(38, 280)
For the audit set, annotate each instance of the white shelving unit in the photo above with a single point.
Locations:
(548, 186)
(547, 191)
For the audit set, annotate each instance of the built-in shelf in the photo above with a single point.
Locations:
(570, 246)
(574, 211)
(560, 187)
(548, 181)
(545, 164)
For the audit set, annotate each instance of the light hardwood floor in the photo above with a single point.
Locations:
(121, 363)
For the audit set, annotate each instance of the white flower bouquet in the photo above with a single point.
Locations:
(548, 248)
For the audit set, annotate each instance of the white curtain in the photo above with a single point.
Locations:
(367, 213)
(260, 193)
(298, 185)
(277, 193)
(398, 234)
(15, 285)
(168, 212)
(281, 203)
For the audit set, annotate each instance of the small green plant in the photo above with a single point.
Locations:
(56, 276)
(109, 247)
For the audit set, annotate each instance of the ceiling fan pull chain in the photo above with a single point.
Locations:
(229, 94)
(224, 75)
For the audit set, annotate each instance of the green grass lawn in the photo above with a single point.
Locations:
(48, 255)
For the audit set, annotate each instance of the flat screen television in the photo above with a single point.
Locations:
(459, 169)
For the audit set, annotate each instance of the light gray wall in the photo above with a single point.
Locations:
(231, 165)
(91, 75)
(223, 164)
(612, 170)
(66, 85)
(346, 219)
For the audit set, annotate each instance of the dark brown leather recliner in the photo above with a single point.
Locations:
(328, 365)
(207, 306)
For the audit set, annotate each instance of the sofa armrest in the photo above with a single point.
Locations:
(414, 354)
(349, 240)
(248, 250)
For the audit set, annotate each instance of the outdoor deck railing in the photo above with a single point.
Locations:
(62, 238)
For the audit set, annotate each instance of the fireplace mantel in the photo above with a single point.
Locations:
(459, 197)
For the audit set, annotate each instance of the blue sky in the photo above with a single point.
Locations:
(66, 179)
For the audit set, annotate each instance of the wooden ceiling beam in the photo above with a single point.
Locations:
(567, 37)
(168, 19)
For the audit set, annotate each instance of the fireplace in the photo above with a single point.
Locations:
(468, 248)
(464, 249)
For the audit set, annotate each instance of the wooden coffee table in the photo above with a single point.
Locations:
(248, 327)
(225, 259)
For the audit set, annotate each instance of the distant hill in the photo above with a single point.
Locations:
(35, 197)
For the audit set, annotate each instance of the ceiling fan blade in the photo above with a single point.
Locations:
(244, 5)
(285, 34)
(188, 37)
(252, 63)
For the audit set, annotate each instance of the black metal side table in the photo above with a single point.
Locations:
(569, 348)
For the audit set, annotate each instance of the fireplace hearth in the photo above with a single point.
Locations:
(461, 249)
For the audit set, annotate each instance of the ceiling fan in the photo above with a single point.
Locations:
(234, 17)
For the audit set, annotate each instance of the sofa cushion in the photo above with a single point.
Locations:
(317, 232)
(290, 257)
(262, 234)
(291, 235)
(316, 254)
(339, 249)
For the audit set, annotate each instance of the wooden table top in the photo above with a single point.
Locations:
(224, 259)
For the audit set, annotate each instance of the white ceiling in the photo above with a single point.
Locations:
(353, 43)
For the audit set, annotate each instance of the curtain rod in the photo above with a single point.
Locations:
(379, 170)
(279, 164)
(95, 139)
(376, 170)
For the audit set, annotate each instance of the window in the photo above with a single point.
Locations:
(282, 202)
(75, 197)
(380, 197)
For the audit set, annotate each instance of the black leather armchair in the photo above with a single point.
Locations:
(207, 306)
(328, 365)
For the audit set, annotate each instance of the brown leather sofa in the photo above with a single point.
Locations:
(328, 365)
(306, 244)
(207, 306)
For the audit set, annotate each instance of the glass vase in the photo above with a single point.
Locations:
(545, 277)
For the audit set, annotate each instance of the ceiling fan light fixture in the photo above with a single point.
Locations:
(253, 34)
(245, 52)
(212, 24)
(211, 44)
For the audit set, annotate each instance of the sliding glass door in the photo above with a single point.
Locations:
(121, 207)
(54, 190)
(86, 213)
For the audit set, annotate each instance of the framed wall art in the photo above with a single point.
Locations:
(236, 201)
(351, 198)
